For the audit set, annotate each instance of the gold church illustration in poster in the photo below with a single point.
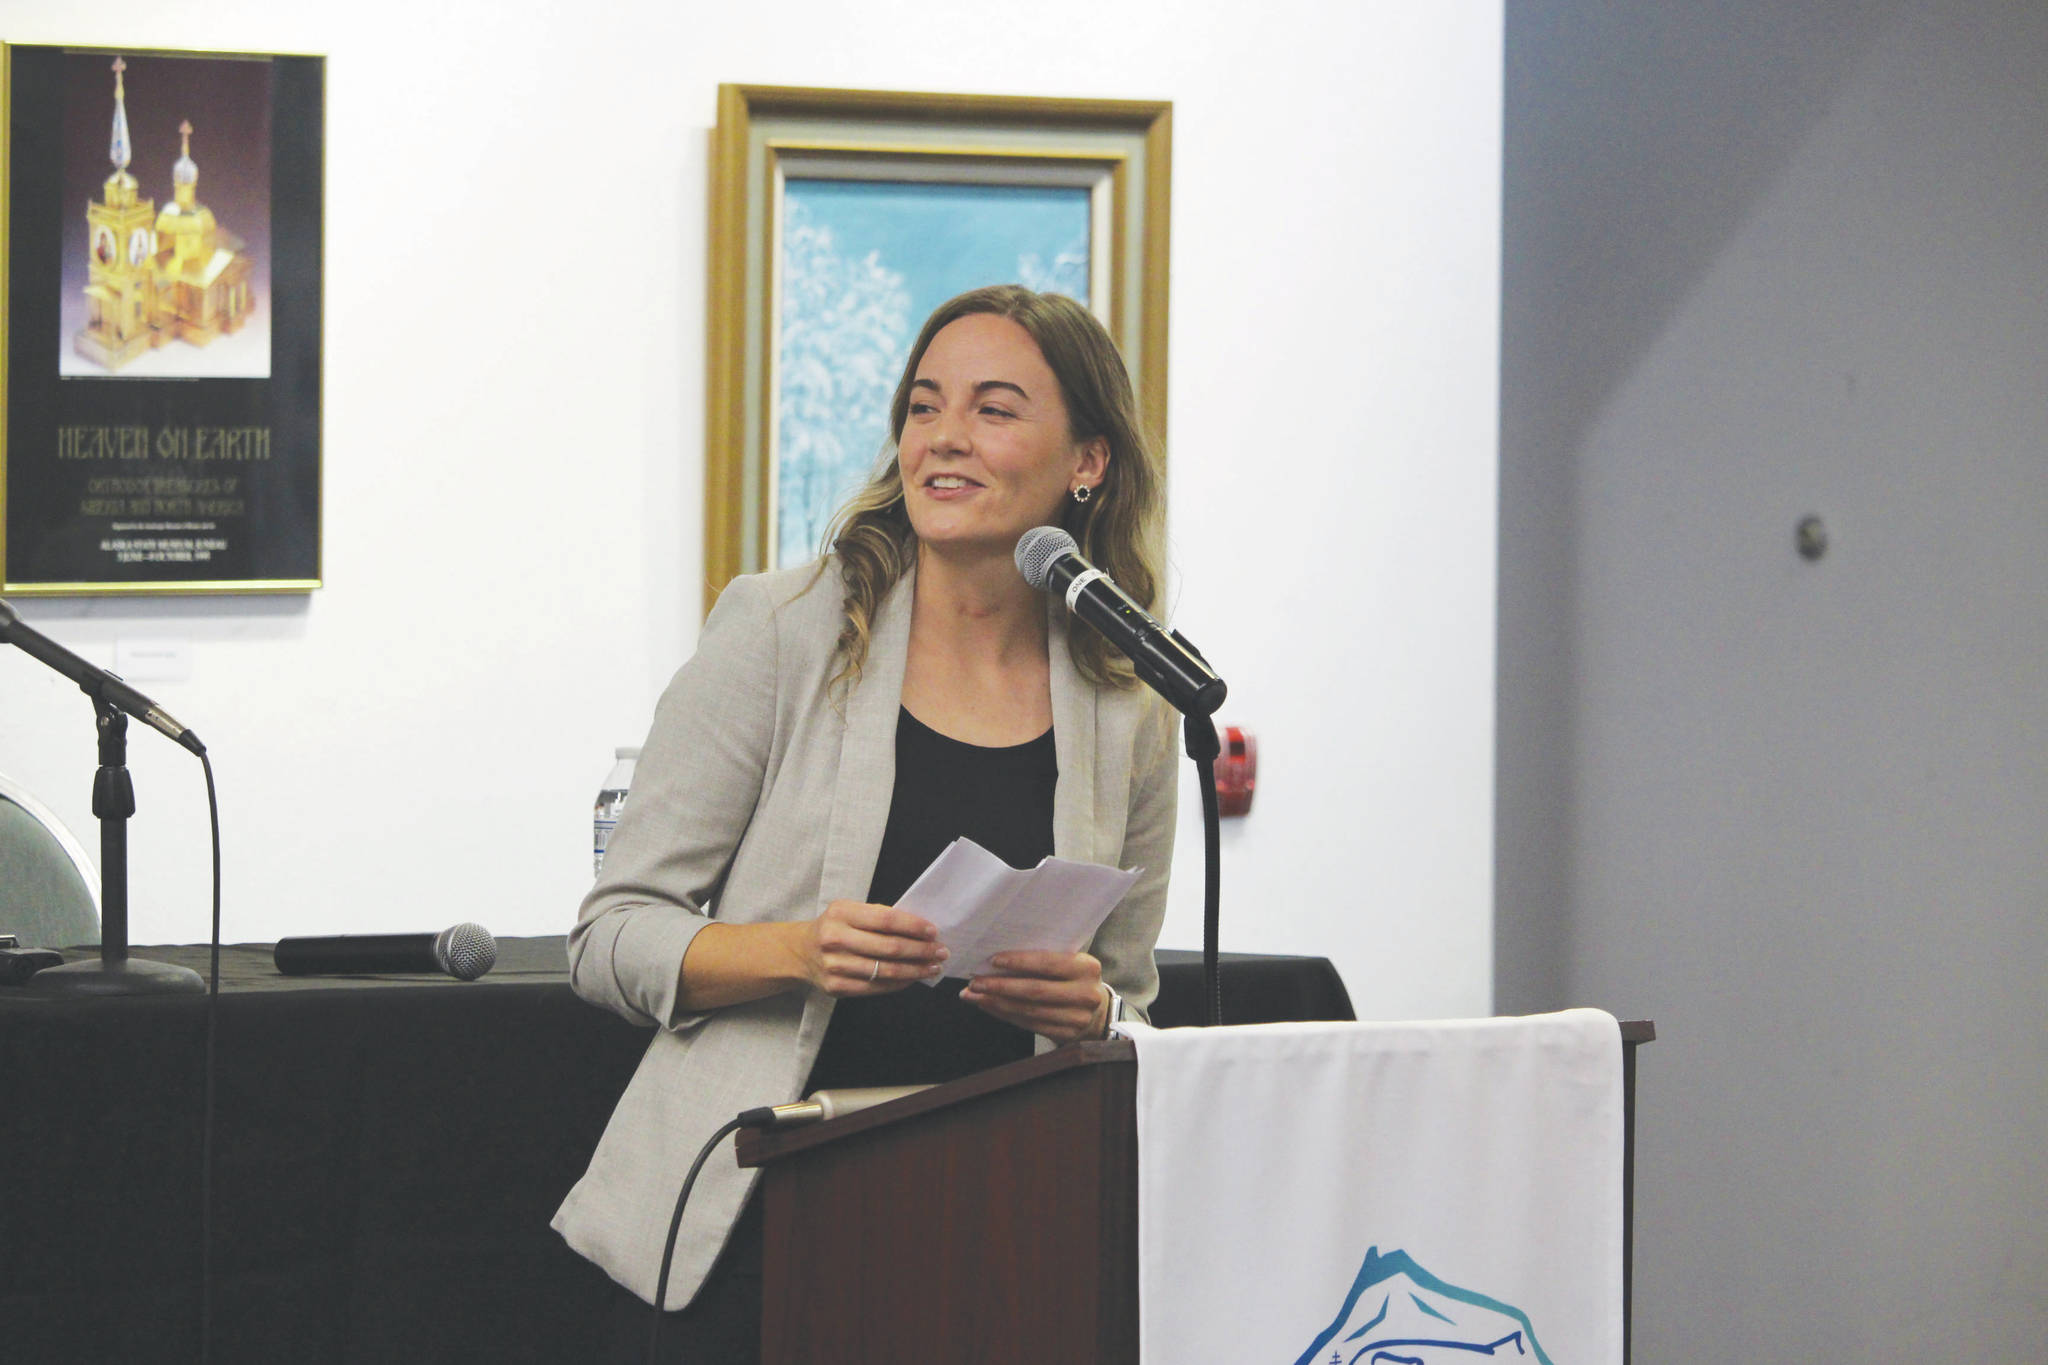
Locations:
(167, 286)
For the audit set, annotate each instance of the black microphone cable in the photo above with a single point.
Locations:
(668, 1248)
(206, 1117)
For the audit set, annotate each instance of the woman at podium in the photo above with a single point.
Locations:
(840, 724)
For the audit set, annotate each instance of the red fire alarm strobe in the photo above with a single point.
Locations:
(1237, 771)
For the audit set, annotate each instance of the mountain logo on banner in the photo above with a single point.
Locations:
(1397, 1313)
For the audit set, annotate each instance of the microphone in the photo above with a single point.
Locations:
(1051, 562)
(824, 1105)
(465, 952)
(93, 680)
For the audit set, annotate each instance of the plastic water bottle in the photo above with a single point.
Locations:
(611, 799)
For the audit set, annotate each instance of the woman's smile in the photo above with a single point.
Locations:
(950, 487)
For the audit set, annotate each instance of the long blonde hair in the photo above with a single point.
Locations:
(1120, 530)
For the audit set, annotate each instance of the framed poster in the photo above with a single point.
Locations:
(161, 230)
(841, 218)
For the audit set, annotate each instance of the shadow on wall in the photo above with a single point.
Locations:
(1637, 140)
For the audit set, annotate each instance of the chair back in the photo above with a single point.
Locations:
(49, 888)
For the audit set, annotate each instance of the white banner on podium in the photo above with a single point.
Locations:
(1437, 1193)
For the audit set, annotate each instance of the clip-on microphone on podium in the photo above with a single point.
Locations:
(824, 1105)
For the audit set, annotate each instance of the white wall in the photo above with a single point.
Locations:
(1793, 811)
(513, 417)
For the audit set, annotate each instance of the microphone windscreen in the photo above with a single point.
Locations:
(1037, 548)
(466, 951)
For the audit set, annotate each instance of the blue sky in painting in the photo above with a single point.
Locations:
(863, 264)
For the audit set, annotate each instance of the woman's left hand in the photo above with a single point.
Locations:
(1058, 995)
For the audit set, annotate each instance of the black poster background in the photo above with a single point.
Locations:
(51, 540)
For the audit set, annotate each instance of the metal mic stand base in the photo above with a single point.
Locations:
(126, 976)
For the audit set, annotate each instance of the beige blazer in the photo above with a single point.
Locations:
(762, 794)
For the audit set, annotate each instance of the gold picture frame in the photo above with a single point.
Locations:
(1119, 151)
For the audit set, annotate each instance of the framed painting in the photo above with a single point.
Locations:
(160, 398)
(841, 218)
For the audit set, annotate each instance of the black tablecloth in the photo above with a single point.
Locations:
(387, 1154)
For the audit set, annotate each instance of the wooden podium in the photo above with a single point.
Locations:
(991, 1220)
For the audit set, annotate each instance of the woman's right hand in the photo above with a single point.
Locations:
(855, 948)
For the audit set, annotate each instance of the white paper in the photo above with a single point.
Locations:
(983, 906)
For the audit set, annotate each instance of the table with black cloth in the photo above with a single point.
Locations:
(387, 1154)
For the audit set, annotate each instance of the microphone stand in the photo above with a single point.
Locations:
(115, 973)
(1198, 737)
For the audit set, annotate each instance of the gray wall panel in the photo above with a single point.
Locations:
(1757, 264)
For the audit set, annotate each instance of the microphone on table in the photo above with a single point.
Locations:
(1051, 562)
(464, 951)
(93, 680)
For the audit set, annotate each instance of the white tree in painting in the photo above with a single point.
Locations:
(845, 329)
(1066, 273)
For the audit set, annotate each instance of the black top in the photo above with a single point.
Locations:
(945, 789)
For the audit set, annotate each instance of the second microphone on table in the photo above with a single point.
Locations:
(464, 951)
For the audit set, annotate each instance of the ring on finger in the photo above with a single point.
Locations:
(874, 971)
